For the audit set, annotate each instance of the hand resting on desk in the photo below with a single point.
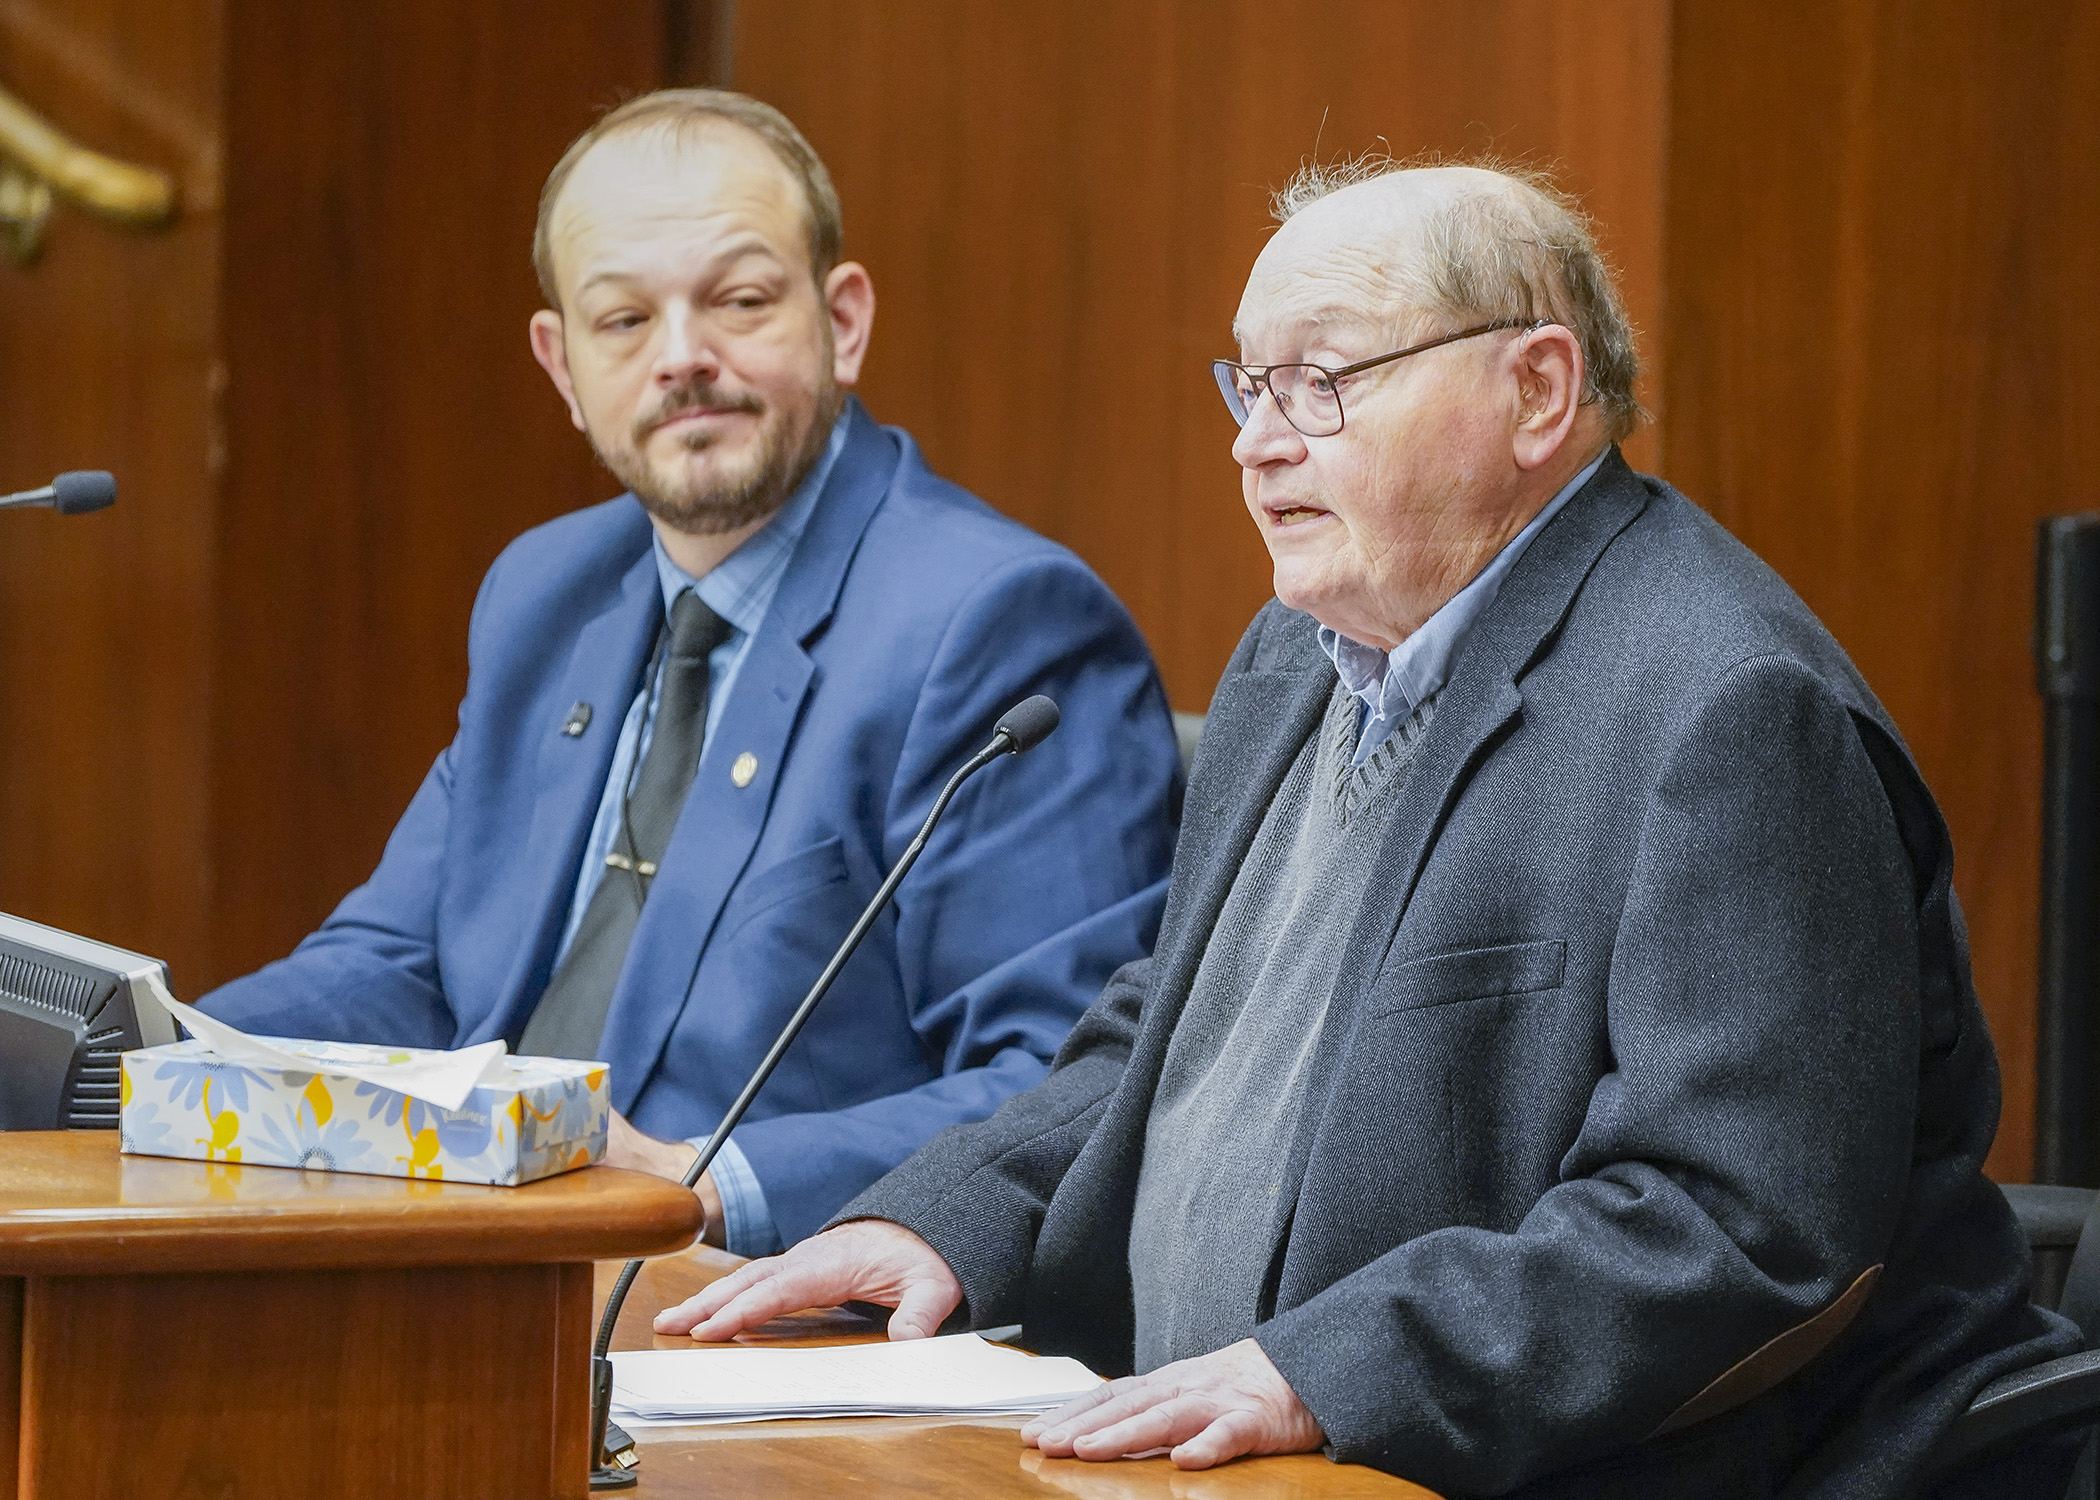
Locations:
(1206, 1410)
(868, 1260)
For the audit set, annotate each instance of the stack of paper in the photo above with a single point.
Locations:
(959, 1375)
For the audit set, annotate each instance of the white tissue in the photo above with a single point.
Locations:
(441, 1078)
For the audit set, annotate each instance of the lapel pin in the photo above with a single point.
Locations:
(578, 721)
(744, 769)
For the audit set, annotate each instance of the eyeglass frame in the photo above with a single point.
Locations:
(1259, 374)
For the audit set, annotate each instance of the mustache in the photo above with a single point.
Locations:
(694, 395)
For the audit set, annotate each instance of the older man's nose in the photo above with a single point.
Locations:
(1265, 437)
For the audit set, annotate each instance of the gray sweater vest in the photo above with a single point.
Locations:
(1234, 1076)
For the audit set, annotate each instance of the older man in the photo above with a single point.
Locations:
(702, 720)
(1559, 1068)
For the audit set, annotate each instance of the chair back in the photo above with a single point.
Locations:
(1188, 729)
(2081, 1296)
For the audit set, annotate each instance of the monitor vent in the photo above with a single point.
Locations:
(54, 989)
(93, 1102)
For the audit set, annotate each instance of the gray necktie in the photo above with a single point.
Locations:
(571, 1014)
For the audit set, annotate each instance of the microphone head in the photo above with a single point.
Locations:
(1028, 723)
(81, 490)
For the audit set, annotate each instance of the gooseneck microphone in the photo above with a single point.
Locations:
(73, 493)
(1024, 726)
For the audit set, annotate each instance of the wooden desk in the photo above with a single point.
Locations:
(184, 1330)
(915, 1456)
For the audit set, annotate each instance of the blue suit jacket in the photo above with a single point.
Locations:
(910, 617)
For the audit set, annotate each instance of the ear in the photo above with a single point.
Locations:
(551, 348)
(1548, 363)
(849, 294)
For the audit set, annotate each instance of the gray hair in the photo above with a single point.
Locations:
(1523, 254)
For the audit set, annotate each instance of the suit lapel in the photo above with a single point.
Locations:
(720, 825)
(1478, 703)
(605, 669)
(1257, 724)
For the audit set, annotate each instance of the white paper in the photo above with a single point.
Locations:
(957, 1375)
(441, 1078)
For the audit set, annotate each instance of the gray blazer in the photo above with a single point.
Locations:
(1643, 1146)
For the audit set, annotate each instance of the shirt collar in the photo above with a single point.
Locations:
(1392, 684)
(742, 585)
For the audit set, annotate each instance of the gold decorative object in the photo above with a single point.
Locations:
(25, 206)
(39, 164)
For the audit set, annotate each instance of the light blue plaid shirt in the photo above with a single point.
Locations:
(1390, 684)
(740, 590)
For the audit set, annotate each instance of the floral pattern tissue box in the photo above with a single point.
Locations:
(528, 1117)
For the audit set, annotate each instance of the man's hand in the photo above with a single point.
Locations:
(868, 1260)
(627, 1147)
(1206, 1410)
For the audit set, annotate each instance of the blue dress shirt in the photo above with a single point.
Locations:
(740, 589)
(1390, 684)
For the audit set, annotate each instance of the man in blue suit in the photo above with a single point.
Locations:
(703, 719)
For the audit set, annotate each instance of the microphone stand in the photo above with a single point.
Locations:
(1027, 728)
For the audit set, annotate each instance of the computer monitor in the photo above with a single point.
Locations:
(70, 1007)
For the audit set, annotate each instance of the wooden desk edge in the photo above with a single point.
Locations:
(259, 1246)
(75, 1214)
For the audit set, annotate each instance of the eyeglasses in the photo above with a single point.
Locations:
(1309, 396)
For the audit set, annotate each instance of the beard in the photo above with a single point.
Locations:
(785, 452)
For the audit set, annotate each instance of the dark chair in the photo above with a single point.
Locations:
(2063, 1231)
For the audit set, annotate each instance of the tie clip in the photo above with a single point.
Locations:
(620, 861)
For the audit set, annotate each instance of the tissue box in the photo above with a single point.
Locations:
(540, 1116)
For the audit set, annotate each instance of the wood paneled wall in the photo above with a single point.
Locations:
(1883, 229)
(1059, 204)
(108, 358)
(1856, 234)
(387, 429)
(318, 399)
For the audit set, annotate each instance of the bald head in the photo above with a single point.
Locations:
(1360, 251)
(1373, 188)
(1460, 245)
(672, 118)
(717, 179)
